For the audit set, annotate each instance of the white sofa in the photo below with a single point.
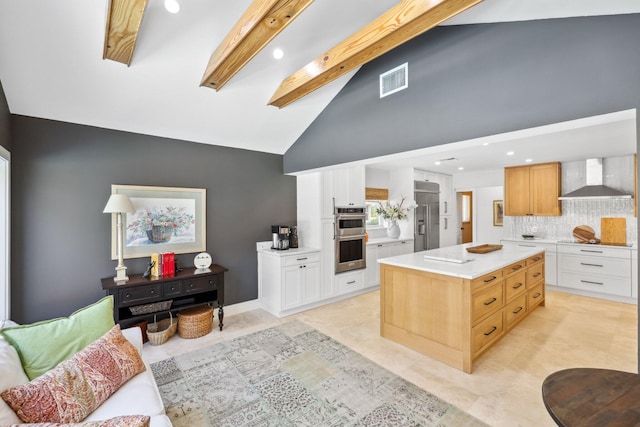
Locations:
(138, 396)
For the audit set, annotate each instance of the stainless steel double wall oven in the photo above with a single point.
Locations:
(351, 245)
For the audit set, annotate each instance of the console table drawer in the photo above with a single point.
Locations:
(138, 294)
(172, 288)
(200, 284)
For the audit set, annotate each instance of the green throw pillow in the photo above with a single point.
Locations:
(42, 345)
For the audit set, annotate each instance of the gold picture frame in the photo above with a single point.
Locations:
(498, 212)
(167, 219)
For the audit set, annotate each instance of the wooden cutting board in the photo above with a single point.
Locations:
(614, 231)
(584, 234)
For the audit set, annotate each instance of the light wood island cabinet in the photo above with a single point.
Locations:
(533, 190)
(455, 312)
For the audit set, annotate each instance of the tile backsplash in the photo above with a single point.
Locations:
(574, 213)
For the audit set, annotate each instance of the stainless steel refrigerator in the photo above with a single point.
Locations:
(427, 216)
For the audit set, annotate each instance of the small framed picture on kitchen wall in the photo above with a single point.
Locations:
(498, 212)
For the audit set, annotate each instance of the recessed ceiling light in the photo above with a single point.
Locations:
(460, 168)
(437, 163)
(485, 143)
(510, 153)
(278, 53)
(529, 160)
(172, 6)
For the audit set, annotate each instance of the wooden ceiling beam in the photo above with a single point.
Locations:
(260, 23)
(401, 23)
(124, 18)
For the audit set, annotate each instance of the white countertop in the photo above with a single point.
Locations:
(382, 240)
(288, 252)
(474, 265)
(630, 245)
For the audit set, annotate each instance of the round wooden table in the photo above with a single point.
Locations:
(592, 397)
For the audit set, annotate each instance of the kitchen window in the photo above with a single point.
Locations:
(373, 220)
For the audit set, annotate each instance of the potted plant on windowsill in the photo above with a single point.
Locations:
(392, 212)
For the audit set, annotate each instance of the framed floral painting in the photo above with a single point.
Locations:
(166, 219)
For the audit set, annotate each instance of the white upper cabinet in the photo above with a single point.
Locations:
(348, 186)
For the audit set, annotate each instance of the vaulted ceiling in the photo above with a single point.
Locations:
(52, 66)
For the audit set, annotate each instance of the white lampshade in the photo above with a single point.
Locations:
(119, 203)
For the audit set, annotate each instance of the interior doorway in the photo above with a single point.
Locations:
(466, 216)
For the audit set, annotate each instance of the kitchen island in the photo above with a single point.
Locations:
(453, 305)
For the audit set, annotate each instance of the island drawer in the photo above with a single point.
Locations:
(515, 284)
(487, 301)
(486, 280)
(487, 331)
(514, 268)
(535, 296)
(535, 259)
(534, 274)
(515, 310)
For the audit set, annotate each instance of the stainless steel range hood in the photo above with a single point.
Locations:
(594, 188)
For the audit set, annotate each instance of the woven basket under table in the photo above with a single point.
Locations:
(195, 322)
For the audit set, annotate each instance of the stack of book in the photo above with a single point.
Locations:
(163, 264)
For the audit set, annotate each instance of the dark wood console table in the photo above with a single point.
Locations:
(188, 288)
(592, 397)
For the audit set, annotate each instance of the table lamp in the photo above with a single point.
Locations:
(119, 203)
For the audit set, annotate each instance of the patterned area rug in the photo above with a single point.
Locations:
(293, 375)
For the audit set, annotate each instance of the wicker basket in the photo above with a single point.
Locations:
(159, 332)
(160, 233)
(195, 322)
(150, 308)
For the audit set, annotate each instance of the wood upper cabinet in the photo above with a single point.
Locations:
(533, 190)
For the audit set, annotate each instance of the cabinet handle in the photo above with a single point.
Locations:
(517, 310)
(486, 334)
(592, 283)
(591, 265)
(301, 259)
(446, 208)
(351, 282)
(127, 296)
(379, 246)
(302, 266)
(490, 280)
(537, 258)
(587, 250)
(446, 223)
(491, 301)
(528, 246)
(537, 295)
(517, 267)
(152, 292)
(211, 282)
(537, 274)
(516, 286)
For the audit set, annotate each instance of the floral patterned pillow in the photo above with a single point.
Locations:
(77, 386)
(122, 421)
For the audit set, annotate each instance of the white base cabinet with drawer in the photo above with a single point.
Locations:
(288, 282)
(598, 269)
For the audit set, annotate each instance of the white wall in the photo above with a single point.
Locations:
(486, 232)
(489, 178)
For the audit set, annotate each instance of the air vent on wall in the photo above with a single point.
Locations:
(394, 80)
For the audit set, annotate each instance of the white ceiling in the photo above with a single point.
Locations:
(51, 65)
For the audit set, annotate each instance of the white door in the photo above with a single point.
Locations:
(5, 299)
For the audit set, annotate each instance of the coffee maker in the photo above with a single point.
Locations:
(280, 237)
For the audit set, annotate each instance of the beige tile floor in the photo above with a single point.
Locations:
(504, 388)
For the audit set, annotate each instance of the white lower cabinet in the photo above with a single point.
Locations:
(634, 274)
(288, 282)
(376, 251)
(448, 236)
(601, 269)
(350, 281)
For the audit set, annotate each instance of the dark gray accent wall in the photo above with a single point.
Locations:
(478, 80)
(5, 134)
(61, 180)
